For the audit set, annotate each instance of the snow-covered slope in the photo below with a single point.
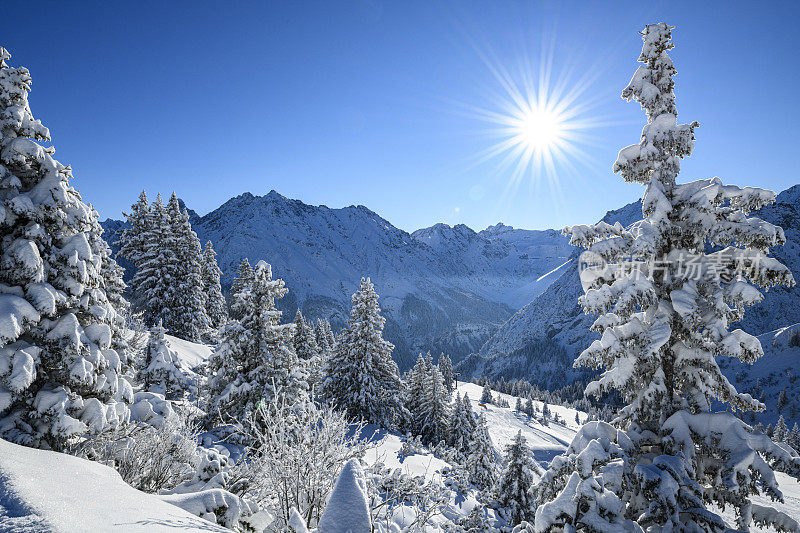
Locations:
(42, 491)
(778, 370)
(442, 288)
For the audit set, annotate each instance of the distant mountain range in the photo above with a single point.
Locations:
(442, 288)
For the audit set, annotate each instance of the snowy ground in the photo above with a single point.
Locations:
(43, 491)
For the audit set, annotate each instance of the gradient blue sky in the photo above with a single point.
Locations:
(364, 102)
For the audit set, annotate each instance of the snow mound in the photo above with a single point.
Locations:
(191, 354)
(347, 510)
(48, 491)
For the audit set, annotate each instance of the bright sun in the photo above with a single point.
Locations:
(538, 129)
(538, 124)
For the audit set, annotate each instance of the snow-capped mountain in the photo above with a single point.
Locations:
(442, 288)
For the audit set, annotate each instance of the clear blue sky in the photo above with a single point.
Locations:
(342, 103)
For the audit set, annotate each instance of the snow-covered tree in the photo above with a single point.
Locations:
(529, 410)
(254, 361)
(60, 368)
(415, 382)
(446, 368)
(186, 316)
(486, 395)
(216, 308)
(462, 425)
(305, 346)
(327, 332)
(161, 368)
(361, 377)
(242, 279)
(794, 437)
(518, 405)
(155, 264)
(781, 432)
(481, 461)
(433, 408)
(514, 490)
(319, 334)
(132, 243)
(665, 303)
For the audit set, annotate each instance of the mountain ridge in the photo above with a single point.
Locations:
(442, 288)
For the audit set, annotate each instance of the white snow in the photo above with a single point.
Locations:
(191, 354)
(45, 491)
(347, 510)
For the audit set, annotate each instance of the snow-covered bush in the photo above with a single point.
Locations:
(61, 345)
(397, 498)
(149, 458)
(224, 508)
(348, 511)
(296, 457)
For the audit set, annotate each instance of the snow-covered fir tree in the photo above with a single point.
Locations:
(216, 308)
(161, 368)
(432, 408)
(132, 243)
(330, 338)
(518, 405)
(186, 317)
(242, 279)
(254, 361)
(781, 431)
(514, 489)
(305, 346)
(360, 377)
(152, 281)
(665, 305)
(115, 287)
(794, 437)
(481, 461)
(321, 337)
(60, 364)
(529, 410)
(486, 395)
(545, 420)
(415, 382)
(446, 368)
(462, 425)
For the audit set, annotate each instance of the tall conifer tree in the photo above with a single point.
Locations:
(60, 360)
(361, 376)
(665, 303)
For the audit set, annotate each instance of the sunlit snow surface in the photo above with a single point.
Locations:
(45, 491)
